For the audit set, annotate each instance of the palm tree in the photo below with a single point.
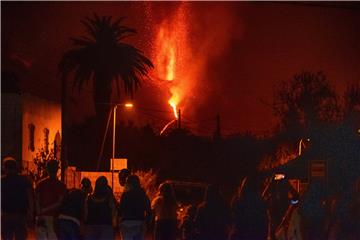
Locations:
(102, 57)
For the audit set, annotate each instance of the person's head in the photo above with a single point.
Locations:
(101, 187)
(133, 182)
(86, 185)
(167, 192)
(10, 166)
(123, 175)
(52, 167)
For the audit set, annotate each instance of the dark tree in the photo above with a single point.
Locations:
(351, 110)
(352, 99)
(102, 57)
(304, 101)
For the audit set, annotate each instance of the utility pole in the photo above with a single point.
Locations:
(179, 119)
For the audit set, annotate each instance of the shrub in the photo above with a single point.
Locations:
(40, 160)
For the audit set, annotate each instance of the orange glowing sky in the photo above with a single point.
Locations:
(210, 57)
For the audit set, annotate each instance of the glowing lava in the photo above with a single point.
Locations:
(183, 40)
(165, 59)
(166, 62)
(166, 126)
(171, 65)
(171, 55)
(172, 103)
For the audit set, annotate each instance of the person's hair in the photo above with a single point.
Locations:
(101, 187)
(123, 175)
(86, 184)
(133, 182)
(10, 165)
(167, 192)
(52, 166)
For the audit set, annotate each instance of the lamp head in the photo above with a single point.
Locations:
(129, 105)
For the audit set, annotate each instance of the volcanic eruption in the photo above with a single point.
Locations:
(171, 53)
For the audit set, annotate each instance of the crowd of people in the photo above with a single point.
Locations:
(259, 210)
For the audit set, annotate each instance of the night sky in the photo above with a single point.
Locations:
(245, 50)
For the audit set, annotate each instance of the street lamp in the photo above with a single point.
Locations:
(126, 105)
(302, 144)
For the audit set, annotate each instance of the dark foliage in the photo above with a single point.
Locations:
(102, 57)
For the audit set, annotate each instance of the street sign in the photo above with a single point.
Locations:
(119, 163)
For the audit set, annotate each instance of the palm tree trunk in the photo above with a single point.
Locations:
(102, 97)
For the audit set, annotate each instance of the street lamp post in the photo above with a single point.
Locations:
(302, 145)
(113, 148)
(126, 105)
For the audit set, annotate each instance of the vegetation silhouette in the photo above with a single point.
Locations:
(305, 101)
(103, 57)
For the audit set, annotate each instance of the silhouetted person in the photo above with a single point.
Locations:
(100, 210)
(212, 217)
(123, 175)
(164, 208)
(349, 223)
(279, 202)
(16, 202)
(249, 211)
(313, 210)
(72, 212)
(49, 194)
(134, 210)
(187, 226)
(86, 186)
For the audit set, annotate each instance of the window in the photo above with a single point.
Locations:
(31, 145)
(46, 140)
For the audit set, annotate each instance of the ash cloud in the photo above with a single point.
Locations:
(211, 31)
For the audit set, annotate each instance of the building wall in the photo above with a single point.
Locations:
(41, 114)
(11, 125)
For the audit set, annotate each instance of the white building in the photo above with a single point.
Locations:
(29, 123)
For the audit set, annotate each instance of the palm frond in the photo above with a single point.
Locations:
(102, 57)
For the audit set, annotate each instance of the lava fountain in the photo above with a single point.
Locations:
(183, 46)
(171, 53)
